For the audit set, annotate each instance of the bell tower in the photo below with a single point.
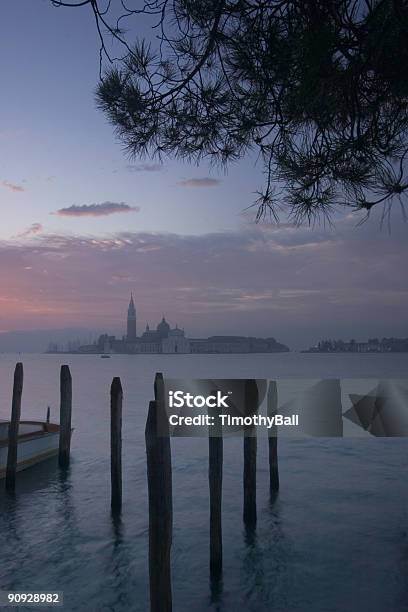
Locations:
(131, 321)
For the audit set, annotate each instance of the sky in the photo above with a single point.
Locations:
(82, 225)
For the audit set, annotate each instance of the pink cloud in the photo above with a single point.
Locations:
(96, 210)
(35, 228)
(205, 181)
(12, 186)
(145, 167)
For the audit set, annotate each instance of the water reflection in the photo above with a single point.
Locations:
(216, 590)
(253, 567)
(63, 522)
(276, 551)
(264, 567)
(11, 532)
(123, 593)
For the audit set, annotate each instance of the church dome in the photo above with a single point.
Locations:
(163, 328)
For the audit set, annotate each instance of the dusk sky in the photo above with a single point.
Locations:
(82, 225)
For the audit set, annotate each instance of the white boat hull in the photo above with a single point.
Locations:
(37, 442)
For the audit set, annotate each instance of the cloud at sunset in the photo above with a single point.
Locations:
(292, 283)
(35, 228)
(145, 167)
(12, 186)
(205, 181)
(96, 210)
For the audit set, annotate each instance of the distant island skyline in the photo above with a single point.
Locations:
(70, 340)
(372, 345)
(166, 340)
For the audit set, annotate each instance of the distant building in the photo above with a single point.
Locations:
(163, 339)
(176, 342)
(236, 344)
(373, 345)
(167, 340)
(131, 322)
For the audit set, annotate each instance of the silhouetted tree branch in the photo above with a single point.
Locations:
(318, 87)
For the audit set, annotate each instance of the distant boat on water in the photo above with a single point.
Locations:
(105, 356)
(37, 441)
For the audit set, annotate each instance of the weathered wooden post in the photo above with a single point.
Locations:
(116, 398)
(47, 420)
(250, 447)
(65, 416)
(215, 461)
(159, 480)
(272, 407)
(13, 428)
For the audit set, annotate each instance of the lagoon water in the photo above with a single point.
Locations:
(335, 539)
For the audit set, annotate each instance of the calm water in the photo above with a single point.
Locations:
(336, 539)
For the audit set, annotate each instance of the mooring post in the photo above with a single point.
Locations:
(65, 416)
(272, 408)
(159, 480)
(116, 398)
(13, 428)
(251, 408)
(215, 460)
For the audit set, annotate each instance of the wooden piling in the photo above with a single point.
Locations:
(13, 427)
(116, 398)
(272, 407)
(250, 448)
(215, 461)
(65, 416)
(159, 481)
(159, 397)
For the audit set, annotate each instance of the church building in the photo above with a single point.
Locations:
(131, 322)
(163, 339)
(167, 340)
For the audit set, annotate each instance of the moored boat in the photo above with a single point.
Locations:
(37, 441)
